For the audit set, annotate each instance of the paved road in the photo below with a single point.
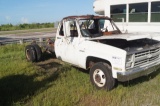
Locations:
(32, 35)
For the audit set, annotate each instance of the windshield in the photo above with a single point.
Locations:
(96, 27)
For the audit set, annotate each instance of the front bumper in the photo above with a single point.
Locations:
(138, 72)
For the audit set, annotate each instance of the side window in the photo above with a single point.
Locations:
(61, 32)
(71, 28)
(89, 27)
(109, 26)
(101, 23)
(138, 12)
(118, 12)
(155, 11)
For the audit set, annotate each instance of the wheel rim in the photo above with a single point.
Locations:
(99, 77)
(28, 54)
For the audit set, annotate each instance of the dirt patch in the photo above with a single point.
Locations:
(50, 64)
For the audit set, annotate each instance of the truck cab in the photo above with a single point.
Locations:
(74, 31)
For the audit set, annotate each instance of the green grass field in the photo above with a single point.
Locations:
(51, 84)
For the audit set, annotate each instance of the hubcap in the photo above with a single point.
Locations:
(99, 77)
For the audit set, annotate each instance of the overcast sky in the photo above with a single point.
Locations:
(40, 11)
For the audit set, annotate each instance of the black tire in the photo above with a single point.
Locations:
(38, 52)
(101, 76)
(30, 53)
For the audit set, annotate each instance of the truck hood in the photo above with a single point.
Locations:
(128, 36)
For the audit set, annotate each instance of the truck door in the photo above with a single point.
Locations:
(71, 41)
(59, 42)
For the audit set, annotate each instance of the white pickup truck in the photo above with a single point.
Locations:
(96, 43)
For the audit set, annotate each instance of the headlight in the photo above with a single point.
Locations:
(129, 58)
(128, 65)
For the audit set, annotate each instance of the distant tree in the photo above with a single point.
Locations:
(9, 27)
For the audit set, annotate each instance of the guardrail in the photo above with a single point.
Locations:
(24, 40)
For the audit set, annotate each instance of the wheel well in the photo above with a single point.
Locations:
(92, 60)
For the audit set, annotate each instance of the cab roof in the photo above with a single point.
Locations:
(87, 17)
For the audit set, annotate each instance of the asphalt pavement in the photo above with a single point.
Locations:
(31, 35)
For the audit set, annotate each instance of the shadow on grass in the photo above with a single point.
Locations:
(47, 56)
(82, 70)
(21, 88)
(49, 65)
(140, 79)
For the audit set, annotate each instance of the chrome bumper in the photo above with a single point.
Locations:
(137, 72)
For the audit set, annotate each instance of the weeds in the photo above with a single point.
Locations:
(50, 83)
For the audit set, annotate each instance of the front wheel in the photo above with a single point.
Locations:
(101, 76)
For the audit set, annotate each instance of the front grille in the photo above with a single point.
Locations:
(146, 57)
(145, 61)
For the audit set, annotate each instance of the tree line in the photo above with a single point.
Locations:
(10, 27)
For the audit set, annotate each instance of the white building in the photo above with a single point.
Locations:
(131, 15)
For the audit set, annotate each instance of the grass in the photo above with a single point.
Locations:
(19, 32)
(51, 84)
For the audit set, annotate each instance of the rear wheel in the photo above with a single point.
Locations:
(30, 53)
(101, 76)
(38, 52)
